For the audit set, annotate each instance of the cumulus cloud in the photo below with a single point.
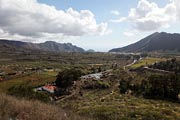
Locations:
(177, 3)
(122, 19)
(30, 19)
(115, 12)
(148, 16)
(128, 34)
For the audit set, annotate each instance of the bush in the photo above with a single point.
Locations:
(27, 92)
(124, 85)
(162, 87)
(96, 84)
(102, 84)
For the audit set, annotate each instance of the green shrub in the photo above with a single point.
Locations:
(124, 85)
(27, 92)
(162, 87)
(103, 84)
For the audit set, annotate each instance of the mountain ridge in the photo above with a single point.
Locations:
(46, 46)
(155, 42)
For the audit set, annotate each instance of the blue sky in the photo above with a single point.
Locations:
(102, 10)
(107, 23)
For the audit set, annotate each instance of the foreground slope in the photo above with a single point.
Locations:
(154, 42)
(15, 109)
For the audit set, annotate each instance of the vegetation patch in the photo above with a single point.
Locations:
(13, 108)
(145, 62)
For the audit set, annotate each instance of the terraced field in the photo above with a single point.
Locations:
(146, 61)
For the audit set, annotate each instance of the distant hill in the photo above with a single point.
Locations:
(90, 50)
(47, 46)
(154, 42)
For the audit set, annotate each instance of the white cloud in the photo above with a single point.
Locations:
(115, 12)
(148, 16)
(128, 34)
(177, 3)
(122, 19)
(30, 19)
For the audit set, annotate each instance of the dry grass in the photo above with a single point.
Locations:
(13, 108)
(102, 105)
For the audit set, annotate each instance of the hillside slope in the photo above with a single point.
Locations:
(47, 46)
(154, 42)
(15, 109)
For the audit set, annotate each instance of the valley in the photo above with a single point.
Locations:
(110, 87)
(89, 60)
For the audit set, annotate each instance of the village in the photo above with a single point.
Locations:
(52, 89)
(42, 78)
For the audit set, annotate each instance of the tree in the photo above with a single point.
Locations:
(67, 77)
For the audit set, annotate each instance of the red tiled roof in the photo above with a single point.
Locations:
(50, 87)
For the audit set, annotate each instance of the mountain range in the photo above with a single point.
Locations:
(50, 46)
(154, 42)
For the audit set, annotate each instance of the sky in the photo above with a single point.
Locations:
(95, 24)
